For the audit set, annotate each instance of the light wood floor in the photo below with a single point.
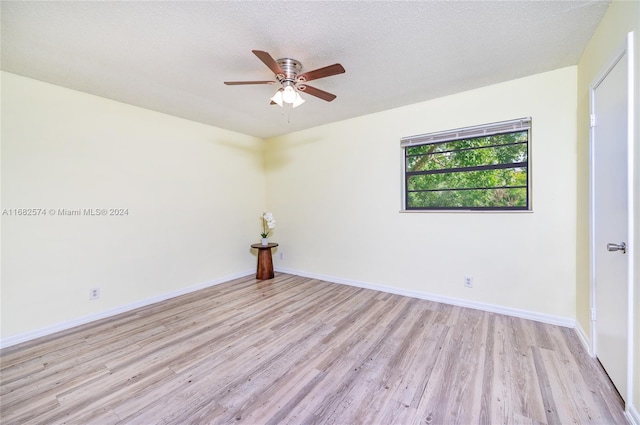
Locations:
(293, 350)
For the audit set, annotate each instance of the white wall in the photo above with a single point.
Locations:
(194, 195)
(336, 191)
(621, 18)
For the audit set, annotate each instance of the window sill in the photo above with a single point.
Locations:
(466, 211)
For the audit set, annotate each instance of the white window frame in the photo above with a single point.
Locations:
(520, 124)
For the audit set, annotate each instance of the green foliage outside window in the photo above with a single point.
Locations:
(479, 173)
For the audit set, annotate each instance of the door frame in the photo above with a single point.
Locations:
(628, 49)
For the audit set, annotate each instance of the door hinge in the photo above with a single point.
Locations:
(593, 314)
(592, 120)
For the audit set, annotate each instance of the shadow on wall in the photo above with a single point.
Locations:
(276, 156)
(253, 149)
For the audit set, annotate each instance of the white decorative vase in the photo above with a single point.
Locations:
(265, 242)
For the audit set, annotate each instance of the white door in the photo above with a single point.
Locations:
(609, 220)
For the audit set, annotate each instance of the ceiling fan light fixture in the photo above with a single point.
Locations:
(277, 98)
(289, 93)
(298, 100)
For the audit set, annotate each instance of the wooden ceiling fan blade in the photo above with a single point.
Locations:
(317, 92)
(240, 83)
(269, 61)
(327, 71)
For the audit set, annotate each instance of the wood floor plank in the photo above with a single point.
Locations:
(67, 371)
(451, 392)
(606, 400)
(546, 391)
(581, 395)
(23, 413)
(354, 403)
(351, 343)
(516, 382)
(387, 373)
(294, 350)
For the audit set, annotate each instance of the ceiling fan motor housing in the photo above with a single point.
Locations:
(291, 69)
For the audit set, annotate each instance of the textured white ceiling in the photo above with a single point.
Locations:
(173, 57)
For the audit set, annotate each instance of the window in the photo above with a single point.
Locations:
(474, 168)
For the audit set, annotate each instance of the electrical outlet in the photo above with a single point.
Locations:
(282, 255)
(468, 281)
(94, 293)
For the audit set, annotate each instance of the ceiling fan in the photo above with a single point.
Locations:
(292, 82)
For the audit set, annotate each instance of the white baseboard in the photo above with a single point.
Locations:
(17, 339)
(632, 414)
(525, 314)
(539, 317)
(584, 339)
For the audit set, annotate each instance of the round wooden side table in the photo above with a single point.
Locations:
(265, 262)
